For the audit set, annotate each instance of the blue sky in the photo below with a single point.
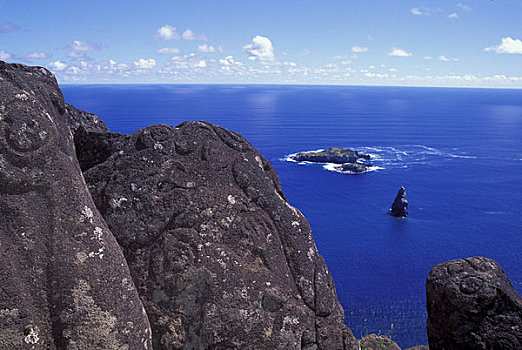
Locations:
(370, 42)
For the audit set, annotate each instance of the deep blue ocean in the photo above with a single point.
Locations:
(458, 153)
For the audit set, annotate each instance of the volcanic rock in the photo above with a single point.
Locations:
(354, 168)
(400, 204)
(378, 342)
(64, 280)
(219, 256)
(472, 305)
(335, 155)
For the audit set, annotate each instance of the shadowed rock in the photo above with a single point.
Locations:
(220, 258)
(400, 204)
(472, 305)
(64, 282)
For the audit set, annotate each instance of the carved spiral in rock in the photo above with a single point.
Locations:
(26, 135)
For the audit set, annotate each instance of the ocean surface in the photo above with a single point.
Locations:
(458, 153)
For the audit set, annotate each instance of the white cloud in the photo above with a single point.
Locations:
(5, 55)
(79, 45)
(145, 63)
(508, 45)
(424, 11)
(448, 59)
(190, 61)
(229, 65)
(394, 70)
(359, 49)
(58, 66)
(464, 7)
(77, 56)
(168, 50)
(38, 55)
(453, 15)
(229, 61)
(188, 35)
(167, 32)
(416, 11)
(399, 52)
(117, 66)
(73, 70)
(206, 48)
(428, 57)
(261, 49)
(376, 75)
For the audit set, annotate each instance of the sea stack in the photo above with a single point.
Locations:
(400, 204)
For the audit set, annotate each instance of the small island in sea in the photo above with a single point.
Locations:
(343, 160)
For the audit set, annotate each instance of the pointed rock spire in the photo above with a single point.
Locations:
(400, 204)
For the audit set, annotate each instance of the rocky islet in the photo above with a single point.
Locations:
(346, 160)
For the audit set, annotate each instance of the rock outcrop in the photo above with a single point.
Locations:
(378, 342)
(472, 305)
(400, 204)
(354, 168)
(219, 257)
(337, 155)
(346, 161)
(64, 280)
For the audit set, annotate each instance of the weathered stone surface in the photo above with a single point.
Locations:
(220, 258)
(472, 305)
(336, 155)
(400, 204)
(378, 342)
(64, 282)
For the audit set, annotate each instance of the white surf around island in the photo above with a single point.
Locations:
(330, 166)
(388, 157)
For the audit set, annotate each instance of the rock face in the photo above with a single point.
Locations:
(472, 305)
(220, 258)
(400, 204)
(335, 155)
(377, 342)
(64, 280)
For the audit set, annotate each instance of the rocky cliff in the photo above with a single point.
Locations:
(217, 255)
(64, 282)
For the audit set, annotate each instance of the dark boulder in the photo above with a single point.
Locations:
(335, 155)
(472, 305)
(220, 258)
(64, 282)
(400, 204)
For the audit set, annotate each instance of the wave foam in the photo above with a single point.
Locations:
(336, 168)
